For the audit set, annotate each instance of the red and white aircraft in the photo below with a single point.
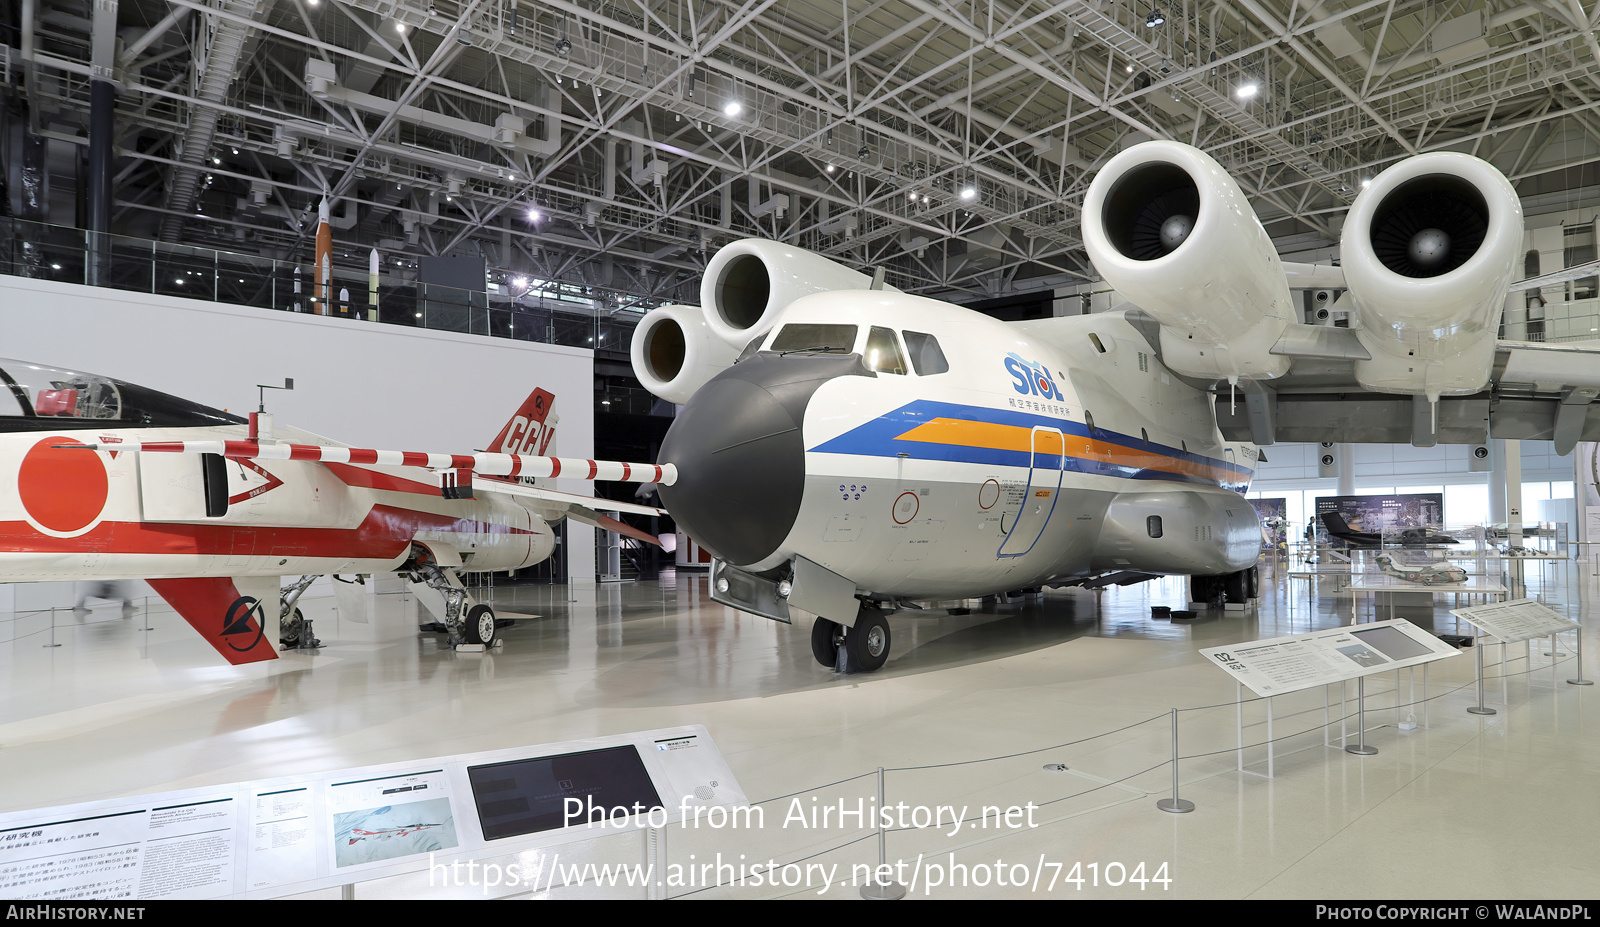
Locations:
(103, 479)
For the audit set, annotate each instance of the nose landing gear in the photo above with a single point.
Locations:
(859, 649)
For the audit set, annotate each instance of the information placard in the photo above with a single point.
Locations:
(1517, 620)
(1288, 664)
(302, 833)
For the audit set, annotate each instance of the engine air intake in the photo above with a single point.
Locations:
(743, 290)
(1429, 225)
(1151, 210)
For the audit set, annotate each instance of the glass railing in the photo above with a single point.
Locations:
(556, 314)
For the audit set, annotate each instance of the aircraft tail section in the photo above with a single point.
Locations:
(530, 429)
(236, 615)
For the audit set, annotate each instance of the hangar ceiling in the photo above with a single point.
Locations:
(617, 144)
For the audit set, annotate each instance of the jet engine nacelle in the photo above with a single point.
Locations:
(1428, 251)
(674, 352)
(1170, 230)
(1178, 531)
(750, 281)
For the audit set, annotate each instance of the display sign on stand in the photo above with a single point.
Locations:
(304, 833)
(1280, 665)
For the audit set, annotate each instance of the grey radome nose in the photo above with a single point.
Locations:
(740, 452)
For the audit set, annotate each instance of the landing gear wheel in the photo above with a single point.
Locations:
(1252, 583)
(289, 629)
(480, 625)
(1234, 585)
(868, 642)
(825, 642)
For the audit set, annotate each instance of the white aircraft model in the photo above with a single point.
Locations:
(109, 480)
(844, 447)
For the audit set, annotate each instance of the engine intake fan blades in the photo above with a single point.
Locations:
(1151, 211)
(1429, 226)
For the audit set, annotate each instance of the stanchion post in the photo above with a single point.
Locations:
(1175, 804)
(52, 629)
(876, 890)
(1480, 708)
(1577, 649)
(1360, 747)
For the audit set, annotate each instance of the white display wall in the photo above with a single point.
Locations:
(360, 383)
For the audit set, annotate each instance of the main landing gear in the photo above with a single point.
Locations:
(294, 629)
(860, 649)
(1223, 589)
(465, 621)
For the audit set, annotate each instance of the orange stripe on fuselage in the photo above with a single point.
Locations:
(1019, 438)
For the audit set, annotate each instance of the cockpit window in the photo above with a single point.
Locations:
(814, 338)
(41, 397)
(51, 393)
(926, 357)
(883, 351)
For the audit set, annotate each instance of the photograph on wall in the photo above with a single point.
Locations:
(1588, 490)
(1274, 515)
(1382, 513)
(391, 831)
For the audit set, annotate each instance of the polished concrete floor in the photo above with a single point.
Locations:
(1453, 805)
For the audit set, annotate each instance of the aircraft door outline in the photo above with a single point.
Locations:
(1034, 515)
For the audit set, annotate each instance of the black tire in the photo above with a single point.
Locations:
(1252, 583)
(868, 642)
(825, 642)
(480, 625)
(1200, 588)
(289, 631)
(1233, 585)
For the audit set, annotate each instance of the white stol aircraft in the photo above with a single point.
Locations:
(109, 480)
(844, 447)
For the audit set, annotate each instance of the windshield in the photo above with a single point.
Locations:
(38, 397)
(813, 338)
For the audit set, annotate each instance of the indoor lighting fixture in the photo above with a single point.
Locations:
(1129, 69)
(830, 168)
(534, 215)
(1365, 184)
(913, 195)
(1155, 19)
(563, 47)
(732, 109)
(400, 28)
(1248, 89)
(968, 193)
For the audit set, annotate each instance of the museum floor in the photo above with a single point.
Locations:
(1456, 806)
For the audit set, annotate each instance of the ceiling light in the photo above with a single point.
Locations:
(924, 197)
(732, 109)
(913, 195)
(55, 266)
(1154, 19)
(400, 28)
(1247, 89)
(1365, 184)
(534, 215)
(968, 193)
(1129, 69)
(563, 47)
(830, 168)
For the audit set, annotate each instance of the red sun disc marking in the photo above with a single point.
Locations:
(63, 489)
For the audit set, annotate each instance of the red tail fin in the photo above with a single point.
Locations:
(526, 433)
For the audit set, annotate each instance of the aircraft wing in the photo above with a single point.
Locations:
(1542, 392)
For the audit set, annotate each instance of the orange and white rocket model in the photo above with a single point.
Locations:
(323, 293)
